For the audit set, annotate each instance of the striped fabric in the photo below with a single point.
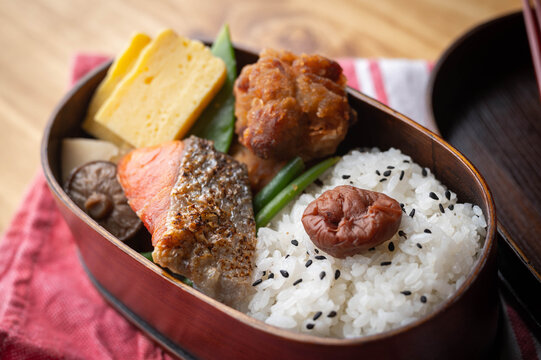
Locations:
(402, 85)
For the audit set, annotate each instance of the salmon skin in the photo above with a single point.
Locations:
(147, 176)
(196, 203)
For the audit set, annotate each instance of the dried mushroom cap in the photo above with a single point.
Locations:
(96, 190)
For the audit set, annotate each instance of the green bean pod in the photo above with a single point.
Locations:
(265, 215)
(286, 175)
(217, 122)
(148, 255)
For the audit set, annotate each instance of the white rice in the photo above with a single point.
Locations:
(368, 297)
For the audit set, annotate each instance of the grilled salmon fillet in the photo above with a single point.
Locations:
(196, 203)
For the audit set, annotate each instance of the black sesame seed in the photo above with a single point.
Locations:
(451, 207)
(295, 242)
(332, 314)
(308, 263)
(386, 263)
(406, 292)
(390, 167)
(287, 256)
(401, 175)
(428, 231)
(257, 282)
(382, 180)
(424, 172)
(318, 182)
(391, 246)
(378, 173)
(284, 273)
(310, 326)
(297, 282)
(401, 233)
(316, 251)
(372, 249)
(336, 274)
(442, 209)
(317, 315)
(448, 194)
(271, 276)
(322, 275)
(387, 173)
(419, 246)
(412, 213)
(433, 196)
(423, 299)
(345, 177)
(351, 182)
(264, 272)
(407, 161)
(320, 257)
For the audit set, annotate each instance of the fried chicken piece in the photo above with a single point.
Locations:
(288, 105)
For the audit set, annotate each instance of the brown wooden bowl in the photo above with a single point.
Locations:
(190, 324)
(483, 96)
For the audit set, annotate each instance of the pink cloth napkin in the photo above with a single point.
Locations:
(50, 310)
(48, 307)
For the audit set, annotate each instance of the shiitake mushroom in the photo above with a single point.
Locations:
(95, 189)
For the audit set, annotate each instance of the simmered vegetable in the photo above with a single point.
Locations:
(217, 121)
(94, 188)
(294, 188)
(280, 181)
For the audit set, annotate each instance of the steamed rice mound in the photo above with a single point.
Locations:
(301, 288)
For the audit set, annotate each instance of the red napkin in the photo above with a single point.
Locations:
(48, 307)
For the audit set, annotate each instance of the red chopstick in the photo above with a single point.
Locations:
(532, 19)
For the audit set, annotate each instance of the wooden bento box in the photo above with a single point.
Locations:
(192, 325)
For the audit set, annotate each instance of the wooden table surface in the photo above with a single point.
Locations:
(39, 38)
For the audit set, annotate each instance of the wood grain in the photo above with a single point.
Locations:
(488, 106)
(39, 38)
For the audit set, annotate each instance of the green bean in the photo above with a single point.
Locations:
(265, 215)
(181, 278)
(289, 172)
(148, 255)
(217, 122)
